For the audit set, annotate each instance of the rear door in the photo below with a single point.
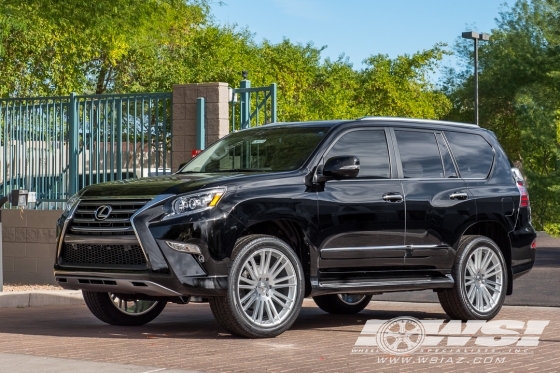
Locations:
(438, 202)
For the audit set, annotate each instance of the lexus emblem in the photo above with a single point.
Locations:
(102, 212)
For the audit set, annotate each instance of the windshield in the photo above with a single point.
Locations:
(262, 149)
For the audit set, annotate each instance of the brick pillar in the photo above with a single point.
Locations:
(184, 117)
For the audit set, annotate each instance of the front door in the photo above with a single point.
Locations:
(362, 220)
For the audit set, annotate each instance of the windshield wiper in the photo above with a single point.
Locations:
(242, 170)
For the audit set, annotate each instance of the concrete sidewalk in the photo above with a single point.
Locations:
(21, 299)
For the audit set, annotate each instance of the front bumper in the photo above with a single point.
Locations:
(168, 273)
(141, 285)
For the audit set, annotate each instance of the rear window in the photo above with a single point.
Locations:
(419, 155)
(473, 154)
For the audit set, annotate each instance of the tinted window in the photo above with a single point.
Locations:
(370, 146)
(448, 165)
(261, 149)
(419, 154)
(473, 154)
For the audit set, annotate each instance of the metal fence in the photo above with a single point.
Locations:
(254, 106)
(57, 145)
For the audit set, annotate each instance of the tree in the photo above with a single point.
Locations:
(519, 96)
(55, 47)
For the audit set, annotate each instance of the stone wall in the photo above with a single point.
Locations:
(29, 245)
(184, 117)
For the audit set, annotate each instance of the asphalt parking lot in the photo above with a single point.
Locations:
(185, 338)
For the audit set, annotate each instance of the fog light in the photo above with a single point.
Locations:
(184, 247)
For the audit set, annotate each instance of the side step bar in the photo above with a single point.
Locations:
(381, 286)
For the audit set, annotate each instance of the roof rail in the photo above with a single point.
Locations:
(432, 121)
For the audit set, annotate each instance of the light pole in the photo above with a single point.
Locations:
(476, 37)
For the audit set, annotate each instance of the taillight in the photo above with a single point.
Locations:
(524, 194)
(534, 244)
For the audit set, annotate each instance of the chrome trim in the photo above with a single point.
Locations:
(424, 121)
(102, 240)
(97, 198)
(101, 229)
(102, 212)
(65, 228)
(113, 220)
(343, 249)
(149, 204)
(459, 195)
(116, 212)
(120, 286)
(107, 201)
(444, 280)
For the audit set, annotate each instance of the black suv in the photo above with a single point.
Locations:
(335, 210)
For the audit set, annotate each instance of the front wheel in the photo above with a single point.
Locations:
(265, 289)
(480, 274)
(119, 310)
(342, 304)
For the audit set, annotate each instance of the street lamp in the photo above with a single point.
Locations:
(476, 37)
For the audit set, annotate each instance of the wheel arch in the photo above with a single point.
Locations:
(497, 233)
(291, 233)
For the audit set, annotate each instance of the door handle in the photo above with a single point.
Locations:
(393, 197)
(458, 195)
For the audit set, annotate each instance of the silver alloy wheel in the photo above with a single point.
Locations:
(266, 287)
(133, 307)
(484, 280)
(351, 299)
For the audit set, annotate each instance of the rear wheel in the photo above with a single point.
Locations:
(265, 289)
(480, 274)
(120, 310)
(342, 304)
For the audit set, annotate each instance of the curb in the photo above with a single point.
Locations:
(23, 299)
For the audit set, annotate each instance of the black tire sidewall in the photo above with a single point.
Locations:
(469, 248)
(237, 312)
(331, 303)
(101, 305)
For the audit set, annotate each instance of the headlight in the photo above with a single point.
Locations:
(71, 203)
(205, 199)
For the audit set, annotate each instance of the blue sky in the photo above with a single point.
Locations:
(360, 28)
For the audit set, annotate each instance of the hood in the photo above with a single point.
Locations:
(152, 186)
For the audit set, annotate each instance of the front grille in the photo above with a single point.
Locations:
(103, 254)
(118, 223)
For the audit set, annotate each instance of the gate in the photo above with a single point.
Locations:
(257, 105)
(55, 146)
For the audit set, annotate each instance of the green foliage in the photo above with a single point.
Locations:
(519, 96)
(54, 47)
(552, 229)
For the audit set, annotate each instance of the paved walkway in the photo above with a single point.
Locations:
(186, 337)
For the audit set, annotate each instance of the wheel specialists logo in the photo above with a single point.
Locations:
(407, 335)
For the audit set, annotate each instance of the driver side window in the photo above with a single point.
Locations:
(370, 146)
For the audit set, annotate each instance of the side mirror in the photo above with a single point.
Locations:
(343, 167)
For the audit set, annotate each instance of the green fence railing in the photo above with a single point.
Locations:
(256, 105)
(55, 146)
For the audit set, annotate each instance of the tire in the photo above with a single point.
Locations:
(105, 306)
(257, 305)
(342, 304)
(480, 281)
